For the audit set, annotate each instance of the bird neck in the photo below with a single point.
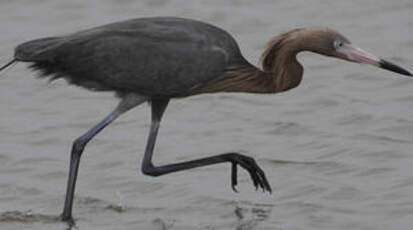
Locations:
(280, 57)
(280, 69)
(286, 73)
(247, 78)
(239, 78)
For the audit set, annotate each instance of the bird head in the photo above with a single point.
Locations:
(323, 41)
(332, 43)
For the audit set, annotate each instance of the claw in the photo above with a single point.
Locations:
(265, 181)
(256, 173)
(255, 181)
(234, 179)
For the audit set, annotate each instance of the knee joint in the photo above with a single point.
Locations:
(149, 170)
(78, 145)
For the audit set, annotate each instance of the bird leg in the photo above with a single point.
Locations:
(128, 102)
(256, 173)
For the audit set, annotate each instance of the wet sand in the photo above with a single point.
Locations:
(337, 149)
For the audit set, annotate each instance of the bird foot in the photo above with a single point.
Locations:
(68, 219)
(248, 163)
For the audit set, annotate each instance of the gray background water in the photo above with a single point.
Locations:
(337, 149)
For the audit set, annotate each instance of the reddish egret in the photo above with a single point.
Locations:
(157, 59)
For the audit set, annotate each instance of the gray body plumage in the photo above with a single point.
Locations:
(155, 57)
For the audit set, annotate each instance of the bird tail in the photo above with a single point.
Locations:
(8, 64)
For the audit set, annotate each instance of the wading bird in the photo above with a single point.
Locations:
(161, 58)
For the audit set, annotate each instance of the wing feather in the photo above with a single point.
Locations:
(153, 56)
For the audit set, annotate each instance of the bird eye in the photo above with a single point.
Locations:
(338, 44)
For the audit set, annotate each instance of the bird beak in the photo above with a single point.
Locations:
(356, 54)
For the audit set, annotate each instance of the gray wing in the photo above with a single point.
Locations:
(156, 58)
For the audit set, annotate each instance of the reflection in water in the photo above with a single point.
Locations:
(160, 224)
(249, 217)
(27, 217)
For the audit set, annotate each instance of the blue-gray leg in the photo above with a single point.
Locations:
(257, 174)
(127, 103)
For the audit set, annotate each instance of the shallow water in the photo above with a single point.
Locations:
(337, 150)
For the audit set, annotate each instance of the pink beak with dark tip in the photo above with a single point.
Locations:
(356, 54)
